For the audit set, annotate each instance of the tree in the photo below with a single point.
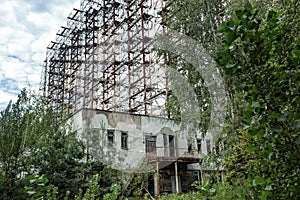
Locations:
(199, 20)
(19, 129)
(35, 141)
(261, 53)
(58, 157)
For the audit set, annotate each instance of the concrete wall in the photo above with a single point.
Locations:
(92, 126)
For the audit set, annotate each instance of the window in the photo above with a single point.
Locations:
(208, 146)
(199, 145)
(172, 145)
(166, 149)
(150, 144)
(110, 138)
(169, 145)
(190, 145)
(124, 140)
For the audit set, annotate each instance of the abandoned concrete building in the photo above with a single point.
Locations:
(140, 144)
(102, 70)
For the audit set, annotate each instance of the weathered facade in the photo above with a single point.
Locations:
(101, 69)
(140, 143)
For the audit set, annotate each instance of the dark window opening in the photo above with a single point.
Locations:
(124, 140)
(190, 146)
(208, 146)
(110, 138)
(166, 148)
(172, 145)
(199, 145)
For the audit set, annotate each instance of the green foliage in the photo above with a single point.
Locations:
(106, 177)
(239, 159)
(21, 124)
(138, 185)
(35, 140)
(92, 192)
(37, 186)
(222, 191)
(58, 157)
(114, 194)
(240, 189)
(261, 55)
(199, 20)
(173, 108)
(38, 189)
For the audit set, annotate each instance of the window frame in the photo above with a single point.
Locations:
(150, 144)
(110, 138)
(199, 146)
(208, 146)
(124, 140)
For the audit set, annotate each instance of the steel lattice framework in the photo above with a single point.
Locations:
(102, 60)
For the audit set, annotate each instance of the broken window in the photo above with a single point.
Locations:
(110, 138)
(124, 140)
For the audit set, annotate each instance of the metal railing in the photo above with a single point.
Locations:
(171, 152)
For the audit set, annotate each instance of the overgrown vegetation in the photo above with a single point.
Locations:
(262, 54)
(40, 153)
(257, 47)
(255, 43)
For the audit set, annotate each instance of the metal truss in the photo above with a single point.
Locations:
(102, 59)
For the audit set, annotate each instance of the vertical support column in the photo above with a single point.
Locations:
(222, 176)
(156, 181)
(201, 171)
(176, 178)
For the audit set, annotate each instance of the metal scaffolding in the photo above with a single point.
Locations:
(102, 59)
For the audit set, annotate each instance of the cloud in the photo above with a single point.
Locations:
(5, 98)
(26, 29)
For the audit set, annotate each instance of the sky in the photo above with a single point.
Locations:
(26, 29)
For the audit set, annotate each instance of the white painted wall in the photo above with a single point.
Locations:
(92, 126)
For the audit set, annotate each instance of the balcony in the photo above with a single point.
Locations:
(171, 154)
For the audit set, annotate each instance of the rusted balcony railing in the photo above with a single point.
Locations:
(171, 153)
